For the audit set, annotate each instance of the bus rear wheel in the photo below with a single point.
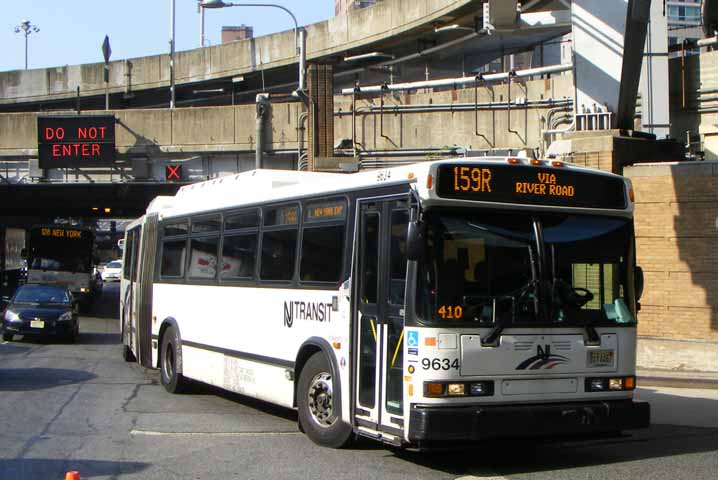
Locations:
(171, 379)
(318, 404)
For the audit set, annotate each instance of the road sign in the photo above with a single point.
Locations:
(106, 50)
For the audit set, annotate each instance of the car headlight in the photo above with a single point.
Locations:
(11, 316)
(65, 316)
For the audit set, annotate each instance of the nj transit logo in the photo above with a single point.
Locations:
(542, 360)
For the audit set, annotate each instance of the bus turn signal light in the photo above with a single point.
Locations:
(429, 181)
(434, 389)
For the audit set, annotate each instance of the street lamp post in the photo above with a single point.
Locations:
(27, 28)
(172, 53)
(298, 42)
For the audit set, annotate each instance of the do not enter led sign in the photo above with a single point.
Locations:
(76, 141)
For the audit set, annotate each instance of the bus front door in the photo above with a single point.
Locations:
(381, 270)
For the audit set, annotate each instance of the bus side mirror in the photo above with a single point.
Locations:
(639, 282)
(415, 240)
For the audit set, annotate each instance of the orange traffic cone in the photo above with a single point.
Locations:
(72, 475)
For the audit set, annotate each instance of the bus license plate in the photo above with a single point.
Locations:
(600, 358)
(37, 324)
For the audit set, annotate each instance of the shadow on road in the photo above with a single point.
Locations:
(24, 379)
(50, 468)
(512, 457)
(94, 338)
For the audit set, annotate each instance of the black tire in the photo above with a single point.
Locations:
(320, 415)
(7, 337)
(127, 354)
(72, 336)
(171, 379)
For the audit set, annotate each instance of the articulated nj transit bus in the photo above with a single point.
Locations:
(446, 301)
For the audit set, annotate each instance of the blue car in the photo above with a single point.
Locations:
(41, 310)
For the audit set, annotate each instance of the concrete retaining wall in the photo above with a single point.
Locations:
(356, 28)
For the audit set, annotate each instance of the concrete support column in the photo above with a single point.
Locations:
(608, 40)
(320, 86)
(655, 114)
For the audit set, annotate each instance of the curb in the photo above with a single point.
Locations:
(676, 382)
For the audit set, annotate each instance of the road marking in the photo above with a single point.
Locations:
(150, 433)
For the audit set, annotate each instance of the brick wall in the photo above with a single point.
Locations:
(676, 239)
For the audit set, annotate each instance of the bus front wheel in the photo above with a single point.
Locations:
(172, 380)
(318, 404)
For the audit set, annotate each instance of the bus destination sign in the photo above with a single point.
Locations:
(530, 186)
(54, 232)
(76, 141)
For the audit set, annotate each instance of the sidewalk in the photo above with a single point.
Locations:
(676, 378)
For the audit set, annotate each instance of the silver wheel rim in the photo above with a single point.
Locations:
(321, 400)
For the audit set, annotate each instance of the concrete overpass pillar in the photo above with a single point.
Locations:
(608, 41)
(655, 113)
(320, 132)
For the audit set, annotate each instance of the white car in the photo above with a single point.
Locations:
(112, 271)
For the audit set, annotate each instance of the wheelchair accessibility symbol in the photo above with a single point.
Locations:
(412, 339)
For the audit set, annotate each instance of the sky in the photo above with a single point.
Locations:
(72, 31)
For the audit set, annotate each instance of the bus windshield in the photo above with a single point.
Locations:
(506, 268)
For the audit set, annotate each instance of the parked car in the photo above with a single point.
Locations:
(112, 271)
(37, 309)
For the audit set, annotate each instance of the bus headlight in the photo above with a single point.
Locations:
(463, 389)
(481, 389)
(456, 389)
(84, 290)
(605, 384)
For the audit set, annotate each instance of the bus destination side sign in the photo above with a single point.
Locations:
(76, 141)
(530, 186)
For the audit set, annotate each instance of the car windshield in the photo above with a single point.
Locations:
(42, 294)
(503, 268)
(115, 264)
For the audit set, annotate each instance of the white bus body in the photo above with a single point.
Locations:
(499, 323)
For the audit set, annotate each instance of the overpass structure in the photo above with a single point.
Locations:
(401, 79)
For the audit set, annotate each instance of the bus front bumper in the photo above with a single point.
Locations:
(428, 423)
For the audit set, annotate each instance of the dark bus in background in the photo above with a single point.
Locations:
(12, 243)
(63, 255)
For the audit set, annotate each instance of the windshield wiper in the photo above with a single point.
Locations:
(517, 297)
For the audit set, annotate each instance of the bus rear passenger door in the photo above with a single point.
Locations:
(128, 287)
(381, 273)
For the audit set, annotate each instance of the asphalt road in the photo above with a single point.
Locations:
(80, 407)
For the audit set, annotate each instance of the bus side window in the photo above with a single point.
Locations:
(322, 250)
(173, 258)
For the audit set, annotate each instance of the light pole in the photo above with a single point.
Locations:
(172, 54)
(298, 42)
(27, 28)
